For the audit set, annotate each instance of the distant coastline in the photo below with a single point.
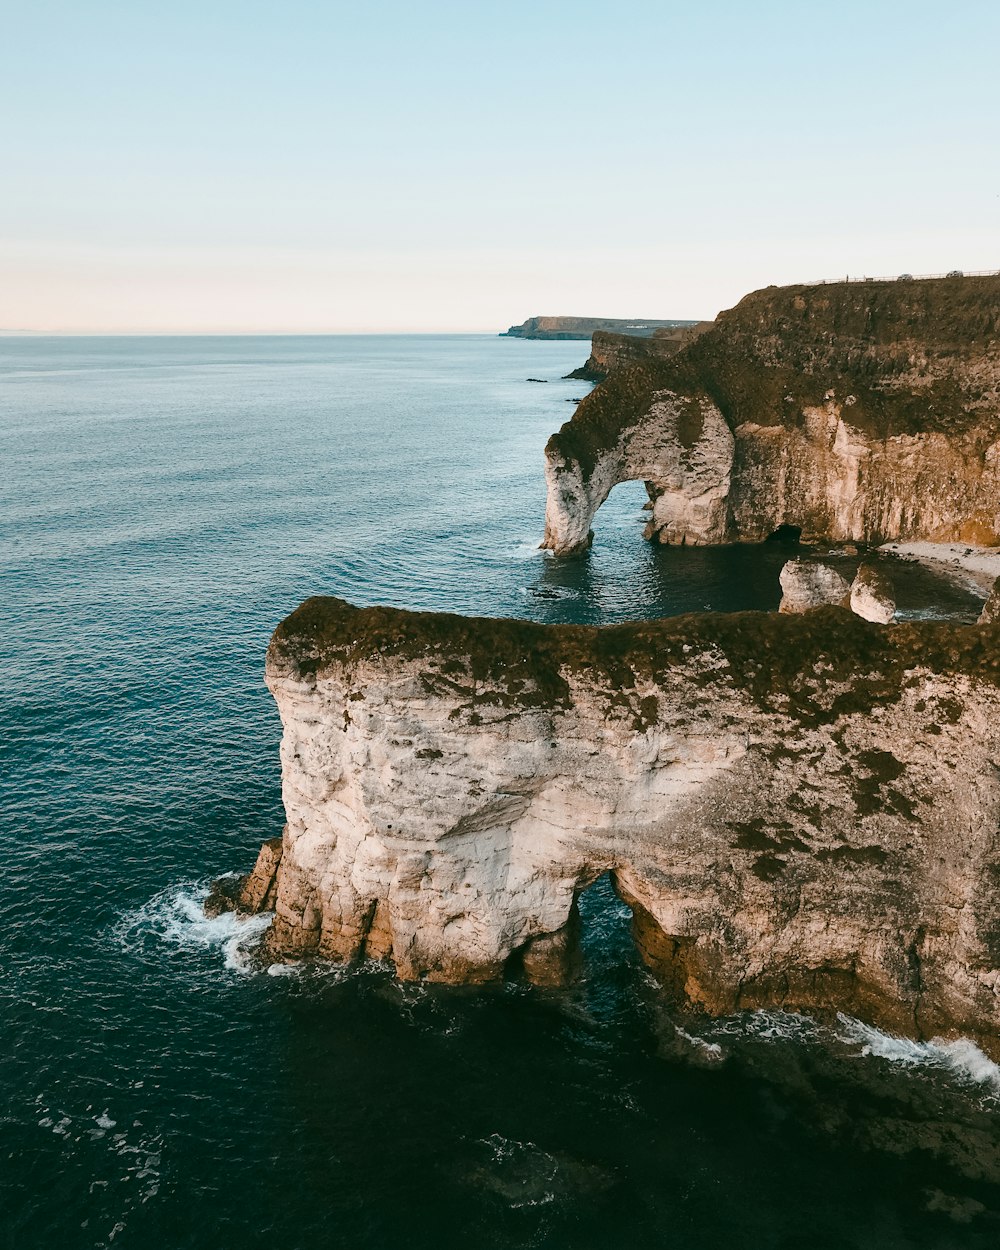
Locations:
(584, 327)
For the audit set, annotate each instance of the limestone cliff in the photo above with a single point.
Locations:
(800, 810)
(863, 411)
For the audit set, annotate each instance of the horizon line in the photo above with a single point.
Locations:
(223, 333)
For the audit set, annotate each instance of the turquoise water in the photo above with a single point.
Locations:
(163, 504)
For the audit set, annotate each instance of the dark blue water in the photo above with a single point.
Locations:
(163, 504)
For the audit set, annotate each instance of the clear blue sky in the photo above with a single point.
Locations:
(324, 166)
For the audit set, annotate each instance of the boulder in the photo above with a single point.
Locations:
(872, 594)
(808, 584)
(991, 608)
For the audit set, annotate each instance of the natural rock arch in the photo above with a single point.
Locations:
(859, 413)
(684, 453)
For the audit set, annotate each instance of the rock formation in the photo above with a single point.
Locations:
(800, 810)
(584, 327)
(853, 412)
(872, 594)
(808, 584)
(991, 608)
(255, 892)
(610, 351)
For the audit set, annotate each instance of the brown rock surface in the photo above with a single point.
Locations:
(610, 351)
(991, 608)
(254, 892)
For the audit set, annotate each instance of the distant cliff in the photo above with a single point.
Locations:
(584, 327)
(867, 411)
(610, 350)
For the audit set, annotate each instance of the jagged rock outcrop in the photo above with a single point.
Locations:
(610, 351)
(584, 327)
(991, 608)
(854, 412)
(800, 810)
(808, 584)
(872, 594)
(255, 892)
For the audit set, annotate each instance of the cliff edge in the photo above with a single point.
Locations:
(852, 412)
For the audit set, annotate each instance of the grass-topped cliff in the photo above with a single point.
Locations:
(918, 356)
(800, 811)
(841, 374)
(784, 661)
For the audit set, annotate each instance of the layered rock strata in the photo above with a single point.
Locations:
(800, 810)
(853, 412)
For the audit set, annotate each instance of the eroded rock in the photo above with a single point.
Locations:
(855, 412)
(800, 810)
(991, 608)
(808, 584)
(253, 892)
(872, 594)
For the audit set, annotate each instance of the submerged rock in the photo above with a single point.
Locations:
(800, 810)
(808, 584)
(872, 594)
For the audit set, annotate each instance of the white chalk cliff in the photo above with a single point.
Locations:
(853, 412)
(801, 810)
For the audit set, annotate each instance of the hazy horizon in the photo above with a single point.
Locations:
(242, 169)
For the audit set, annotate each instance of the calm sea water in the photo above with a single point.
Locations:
(163, 504)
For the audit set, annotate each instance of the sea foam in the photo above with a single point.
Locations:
(176, 916)
(961, 1058)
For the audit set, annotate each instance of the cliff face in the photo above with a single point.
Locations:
(610, 351)
(864, 412)
(800, 810)
(584, 327)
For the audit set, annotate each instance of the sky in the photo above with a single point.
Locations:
(299, 167)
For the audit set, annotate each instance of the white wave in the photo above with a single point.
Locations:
(782, 1026)
(283, 970)
(176, 915)
(960, 1058)
(525, 549)
(711, 1051)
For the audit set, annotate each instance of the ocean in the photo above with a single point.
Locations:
(164, 502)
